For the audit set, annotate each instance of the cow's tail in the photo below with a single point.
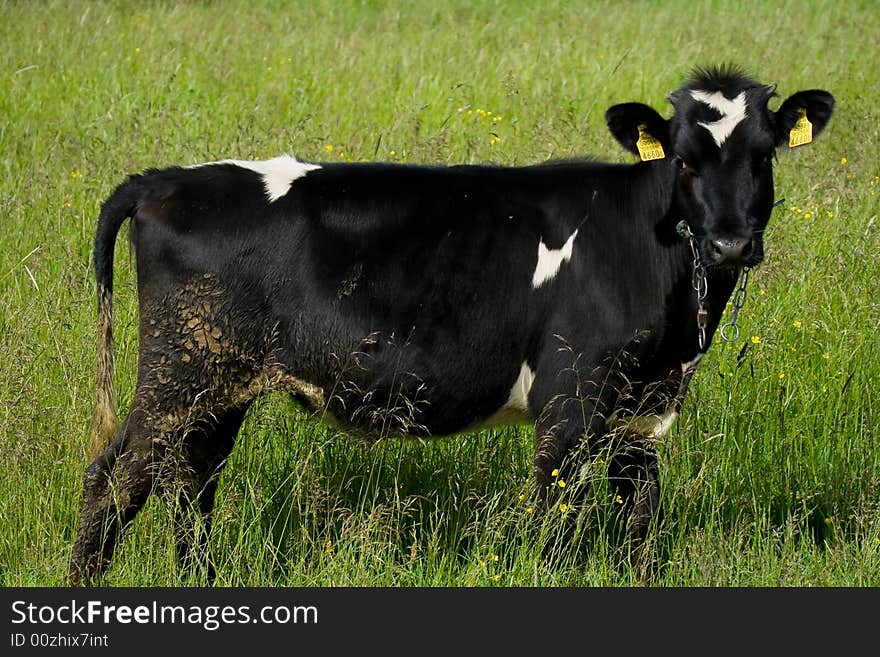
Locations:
(116, 209)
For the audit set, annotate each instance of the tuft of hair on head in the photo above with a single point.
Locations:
(721, 77)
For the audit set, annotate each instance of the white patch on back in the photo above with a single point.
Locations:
(550, 260)
(516, 408)
(732, 113)
(279, 173)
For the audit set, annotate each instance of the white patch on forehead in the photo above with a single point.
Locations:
(732, 113)
(550, 260)
(516, 408)
(278, 174)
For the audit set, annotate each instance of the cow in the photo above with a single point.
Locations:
(404, 300)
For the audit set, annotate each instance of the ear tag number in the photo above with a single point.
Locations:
(802, 132)
(649, 147)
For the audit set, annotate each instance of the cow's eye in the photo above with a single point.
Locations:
(685, 169)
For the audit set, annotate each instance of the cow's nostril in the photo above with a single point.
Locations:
(728, 249)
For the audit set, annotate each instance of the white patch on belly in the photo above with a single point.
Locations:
(516, 408)
(647, 426)
(691, 364)
(314, 395)
(278, 174)
(550, 260)
(732, 113)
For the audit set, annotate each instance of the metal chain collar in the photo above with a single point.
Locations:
(730, 330)
(699, 282)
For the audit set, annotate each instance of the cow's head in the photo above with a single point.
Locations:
(721, 141)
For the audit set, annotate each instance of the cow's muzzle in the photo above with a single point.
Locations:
(731, 251)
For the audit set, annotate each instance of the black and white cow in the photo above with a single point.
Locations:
(427, 300)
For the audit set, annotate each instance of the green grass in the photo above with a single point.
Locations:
(771, 476)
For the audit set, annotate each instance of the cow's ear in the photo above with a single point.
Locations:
(624, 121)
(815, 106)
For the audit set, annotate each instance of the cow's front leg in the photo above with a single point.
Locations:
(633, 475)
(571, 425)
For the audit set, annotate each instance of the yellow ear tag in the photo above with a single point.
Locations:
(802, 132)
(649, 147)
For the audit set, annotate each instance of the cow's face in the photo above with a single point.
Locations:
(721, 143)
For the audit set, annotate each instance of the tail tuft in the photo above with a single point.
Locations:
(116, 209)
(104, 422)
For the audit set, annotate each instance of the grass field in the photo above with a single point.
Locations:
(771, 476)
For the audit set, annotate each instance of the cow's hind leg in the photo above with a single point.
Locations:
(115, 487)
(193, 487)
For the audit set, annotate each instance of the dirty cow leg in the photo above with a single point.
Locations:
(115, 487)
(193, 485)
(633, 474)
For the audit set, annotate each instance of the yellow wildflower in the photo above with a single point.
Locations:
(561, 483)
(796, 323)
(563, 507)
(756, 339)
(328, 148)
(781, 375)
(843, 160)
(555, 472)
